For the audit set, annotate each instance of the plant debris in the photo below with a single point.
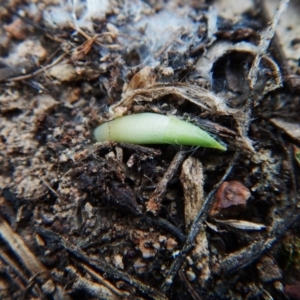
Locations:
(80, 219)
(229, 194)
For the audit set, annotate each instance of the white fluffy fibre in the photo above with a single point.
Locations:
(96, 8)
(156, 31)
(81, 13)
(58, 16)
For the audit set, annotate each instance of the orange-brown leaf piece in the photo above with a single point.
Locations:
(84, 49)
(144, 78)
(230, 193)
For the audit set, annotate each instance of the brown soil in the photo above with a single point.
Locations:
(87, 220)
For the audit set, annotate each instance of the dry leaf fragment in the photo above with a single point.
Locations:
(230, 193)
(192, 181)
(287, 34)
(241, 224)
(205, 64)
(95, 289)
(81, 51)
(268, 269)
(142, 79)
(291, 129)
(64, 72)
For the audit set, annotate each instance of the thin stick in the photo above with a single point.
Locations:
(143, 149)
(154, 203)
(101, 266)
(190, 288)
(47, 184)
(247, 255)
(265, 42)
(58, 60)
(20, 249)
(172, 38)
(105, 282)
(195, 229)
(289, 156)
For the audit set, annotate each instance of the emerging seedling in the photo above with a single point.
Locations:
(150, 128)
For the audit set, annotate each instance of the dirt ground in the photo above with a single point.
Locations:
(81, 219)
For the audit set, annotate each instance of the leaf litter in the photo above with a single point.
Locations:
(81, 210)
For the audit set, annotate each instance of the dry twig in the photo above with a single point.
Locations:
(190, 288)
(195, 229)
(16, 243)
(102, 266)
(28, 76)
(154, 203)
